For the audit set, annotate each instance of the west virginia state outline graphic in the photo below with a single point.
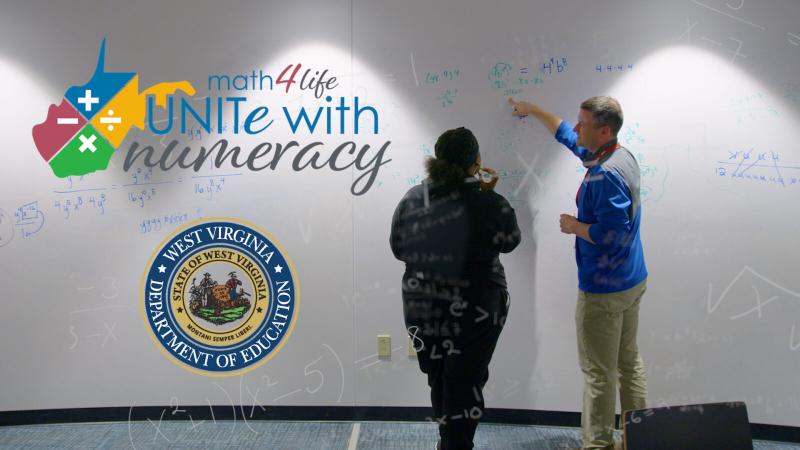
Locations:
(81, 134)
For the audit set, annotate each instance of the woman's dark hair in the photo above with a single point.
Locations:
(456, 150)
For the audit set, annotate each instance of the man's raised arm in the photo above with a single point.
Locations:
(558, 128)
(522, 109)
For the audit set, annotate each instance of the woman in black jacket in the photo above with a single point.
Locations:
(449, 231)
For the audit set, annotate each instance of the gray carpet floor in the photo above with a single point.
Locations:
(286, 436)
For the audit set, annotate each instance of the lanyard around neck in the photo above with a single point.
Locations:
(607, 148)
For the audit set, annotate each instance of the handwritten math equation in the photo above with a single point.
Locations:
(443, 78)
(608, 68)
(504, 77)
(758, 167)
(82, 195)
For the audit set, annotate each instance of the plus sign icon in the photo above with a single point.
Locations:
(81, 134)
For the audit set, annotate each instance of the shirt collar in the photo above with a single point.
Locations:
(601, 155)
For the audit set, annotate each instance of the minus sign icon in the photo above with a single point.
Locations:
(67, 121)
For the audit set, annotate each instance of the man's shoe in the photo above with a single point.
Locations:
(616, 446)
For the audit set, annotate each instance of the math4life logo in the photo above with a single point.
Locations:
(81, 134)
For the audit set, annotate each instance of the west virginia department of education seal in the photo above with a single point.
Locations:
(220, 297)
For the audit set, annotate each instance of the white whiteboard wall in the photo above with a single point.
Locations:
(705, 86)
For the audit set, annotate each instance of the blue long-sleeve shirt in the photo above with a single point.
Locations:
(608, 200)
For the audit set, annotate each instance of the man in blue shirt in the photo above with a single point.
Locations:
(612, 276)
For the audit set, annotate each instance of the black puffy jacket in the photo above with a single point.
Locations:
(454, 231)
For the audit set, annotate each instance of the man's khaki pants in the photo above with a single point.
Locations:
(606, 325)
